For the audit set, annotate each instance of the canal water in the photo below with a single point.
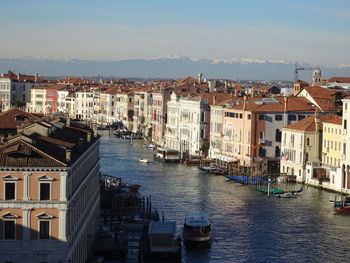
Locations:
(247, 226)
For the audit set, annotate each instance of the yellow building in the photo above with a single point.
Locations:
(332, 139)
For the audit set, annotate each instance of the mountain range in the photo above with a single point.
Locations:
(167, 67)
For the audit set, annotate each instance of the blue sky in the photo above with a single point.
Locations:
(312, 31)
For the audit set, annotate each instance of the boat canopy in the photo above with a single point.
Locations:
(197, 218)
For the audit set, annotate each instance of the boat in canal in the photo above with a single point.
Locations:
(342, 206)
(197, 227)
(167, 155)
(141, 160)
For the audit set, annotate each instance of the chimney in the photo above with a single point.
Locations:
(285, 103)
(68, 154)
(200, 78)
(88, 137)
(36, 77)
(17, 76)
(244, 102)
(226, 86)
(317, 120)
(214, 100)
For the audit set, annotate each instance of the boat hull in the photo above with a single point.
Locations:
(196, 239)
(342, 210)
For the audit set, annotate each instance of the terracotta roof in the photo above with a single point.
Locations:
(309, 123)
(186, 80)
(336, 120)
(339, 79)
(21, 153)
(52, 86)
(288, 104)
(319, 92)
(13, 118)
(22, 77)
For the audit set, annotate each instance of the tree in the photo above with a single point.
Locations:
(205, 146)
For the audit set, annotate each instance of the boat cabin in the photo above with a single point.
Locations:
(167, 155)
(197, 226)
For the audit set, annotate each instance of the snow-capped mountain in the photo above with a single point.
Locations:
(171, 66)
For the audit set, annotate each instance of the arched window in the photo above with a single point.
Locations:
(262, 152)
(306, 157)
(278, 135)
(261, 135)
(277, 151)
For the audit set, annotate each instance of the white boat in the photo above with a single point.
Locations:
(197, 227)
(151, 146)
(144, 160)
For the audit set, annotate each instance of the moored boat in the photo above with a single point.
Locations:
(134, 187)
(343, 206)
(197, 227)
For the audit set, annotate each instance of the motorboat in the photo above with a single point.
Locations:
(197, 227)
(143, 160)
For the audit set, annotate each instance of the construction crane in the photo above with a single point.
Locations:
(302, 68)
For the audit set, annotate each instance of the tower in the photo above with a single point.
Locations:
(317, 78)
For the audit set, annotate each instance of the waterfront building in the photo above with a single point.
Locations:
(61, 99)
(172, 133)
(159, 114)
(302, 146)
(142, 110)
(217, 129)
(48, 99)
(84, 104)
(16, 88)
(252, 129)
(124, 108)
(49, 198)
(331, 154)
(111, 101)
(345, 155)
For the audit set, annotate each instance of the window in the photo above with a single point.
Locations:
(345, 124)
(261, 135)
(10, 191)
(277, 151)
(292, 118)
(278, 135)
(261, 117)
(44, 229)
(300, 117)
(45, 191)
(308, 141)
(241, 116)
(9, 229)
(249, 116)
(278, 117)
